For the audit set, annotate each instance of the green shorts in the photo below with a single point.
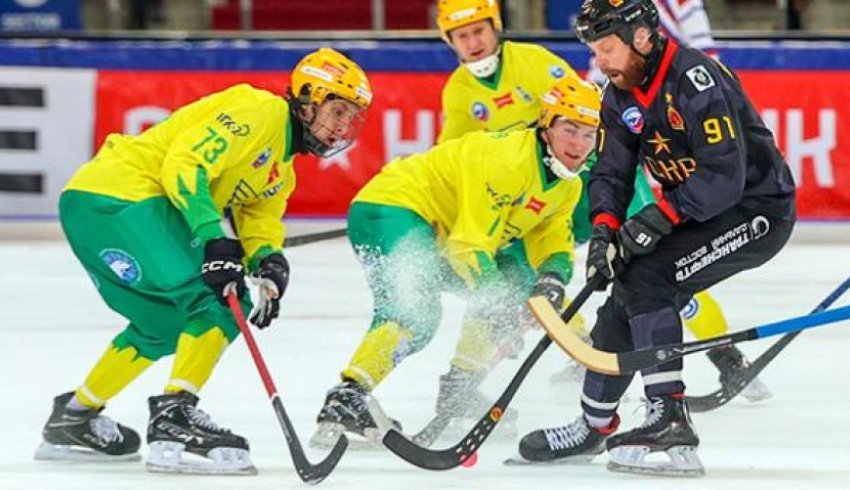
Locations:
(146, 265)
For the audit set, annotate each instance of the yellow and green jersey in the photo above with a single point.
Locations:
(511, 101)
(232, 149)
(481, 192)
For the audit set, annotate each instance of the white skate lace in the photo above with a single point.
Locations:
(568, 436)
(106, 429)
(203, 419)
(654, 408)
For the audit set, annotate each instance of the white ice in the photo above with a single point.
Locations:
(54, 326)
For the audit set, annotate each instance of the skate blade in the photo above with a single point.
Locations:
(58, 452)
(570, 460)
(171, 457)
(683, 461)
(327, 433)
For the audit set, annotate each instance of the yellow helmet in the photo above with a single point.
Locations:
(571, 98)
(452, 14)
(325, 72)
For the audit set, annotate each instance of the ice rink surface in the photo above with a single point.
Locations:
(54, 326)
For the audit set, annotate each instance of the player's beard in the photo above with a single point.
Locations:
(632, 75)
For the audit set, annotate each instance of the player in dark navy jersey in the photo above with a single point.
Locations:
(727, 205)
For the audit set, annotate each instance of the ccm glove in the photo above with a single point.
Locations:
(271, 277)
(552, 287)
(639, 235)
(603, 257)
(222, 270)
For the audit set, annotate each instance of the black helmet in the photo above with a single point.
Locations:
(600, 18)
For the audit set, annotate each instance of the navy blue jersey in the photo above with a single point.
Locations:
(699, 136)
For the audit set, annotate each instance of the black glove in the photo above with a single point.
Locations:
(222, 270)
(603, 256)
(551, 286)
(272, 277)
(639, 235)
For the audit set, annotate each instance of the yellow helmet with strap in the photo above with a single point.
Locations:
(328, 72)
(452, 14)
(571, 98)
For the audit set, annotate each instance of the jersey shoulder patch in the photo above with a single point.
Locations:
(700, 78)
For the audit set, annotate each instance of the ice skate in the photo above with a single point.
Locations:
(85, 435)
(667, 429)
(732, 366)
(460, 400)
(350, 408)
(183, 439)
(575, 443)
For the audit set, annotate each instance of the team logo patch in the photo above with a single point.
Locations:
(503, 100)
(524, 95)
(616, 3)
(700, 78)
(633, 119)
(675, 119)
(480, 112)
(535, 205)
(122, 264)
(274, 173)
(556, 72)
(262, 159)
(691, 309)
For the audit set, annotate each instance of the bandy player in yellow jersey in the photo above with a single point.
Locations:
(497, 87)
(486, 215)
(144, 217)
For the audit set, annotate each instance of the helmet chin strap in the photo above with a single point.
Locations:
(557, 166)
(486, 66)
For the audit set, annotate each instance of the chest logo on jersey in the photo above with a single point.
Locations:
(524, 95)
(480, 112)
(556, 71)
(616, 3)
(274, 173)
(262, 159)
(504, 100)
(700, 78)
(633, 119)
(535, 205)
(676, 121)
(232, 126)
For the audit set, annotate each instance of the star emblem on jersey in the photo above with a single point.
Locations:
(660, 143)
(503, 100)
(535, 205)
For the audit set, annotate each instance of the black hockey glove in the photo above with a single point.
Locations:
(639, 235)
(222, 270)
(551, 286)
(272, 277)
(603, 256)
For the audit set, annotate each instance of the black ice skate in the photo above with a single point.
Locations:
(183, 439)
(575, 443)
(460, 404)
(667, 428)
(732, 366)
(350, 408)
(85, 435)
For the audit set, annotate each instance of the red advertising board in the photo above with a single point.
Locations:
(806, 111)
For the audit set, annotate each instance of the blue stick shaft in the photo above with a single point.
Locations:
(803, 322)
